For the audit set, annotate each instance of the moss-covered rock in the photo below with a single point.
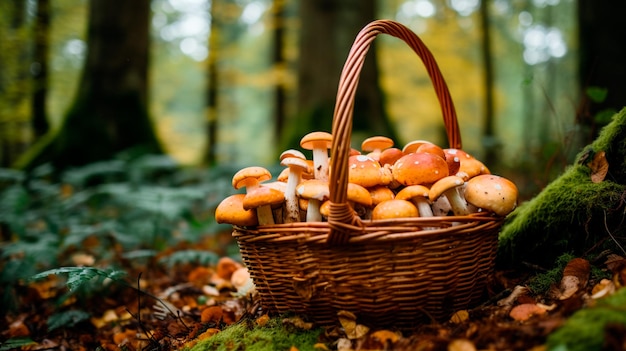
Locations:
(586, 330)
(573, 214)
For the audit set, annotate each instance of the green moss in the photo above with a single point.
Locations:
(585, 329)
(569, 214)
(273, 336)
(540, 283)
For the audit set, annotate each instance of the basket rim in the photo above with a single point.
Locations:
(373, 231)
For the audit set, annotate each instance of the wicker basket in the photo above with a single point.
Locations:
(389, 273)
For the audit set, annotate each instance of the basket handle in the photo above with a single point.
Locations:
(342, 220)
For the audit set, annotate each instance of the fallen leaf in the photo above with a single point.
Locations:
(262, 320)
(599, 167)
(385, 336)
(298, 323)
(575, 276)
(459, 317)
(518, 291)
(350, 326)
(602, 289)
(211, 314)
(526, 310)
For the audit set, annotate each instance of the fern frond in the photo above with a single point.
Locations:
(79, 276)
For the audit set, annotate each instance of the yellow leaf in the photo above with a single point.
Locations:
(599, 167)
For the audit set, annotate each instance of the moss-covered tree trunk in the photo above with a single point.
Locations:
(328, 29)
(109, 113)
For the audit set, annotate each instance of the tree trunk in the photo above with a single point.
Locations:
(602, 52)
(328, 29)
(109, 113)
(212, 85)
(40, 68)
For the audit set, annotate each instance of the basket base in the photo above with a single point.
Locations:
(396, 284)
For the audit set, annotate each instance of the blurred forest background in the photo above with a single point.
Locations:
(215, 82)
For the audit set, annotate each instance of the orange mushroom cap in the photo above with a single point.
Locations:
(231, 211)
(419, 168)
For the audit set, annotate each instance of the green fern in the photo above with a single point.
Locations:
(16, 343)
(66, 319)
(201, 257)
(79, 277)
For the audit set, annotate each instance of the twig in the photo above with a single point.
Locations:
(611, 235)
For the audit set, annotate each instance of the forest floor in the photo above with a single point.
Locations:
(127, 256)
(202, 303)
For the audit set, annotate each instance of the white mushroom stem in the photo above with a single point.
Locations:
(320, 161)
(423, 206)
(457, 202)
(313, 213)
(292, 209)
(296, 167)
(264, 213)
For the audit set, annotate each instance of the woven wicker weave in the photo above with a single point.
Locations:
(391, 273)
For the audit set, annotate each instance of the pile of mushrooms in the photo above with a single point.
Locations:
(421, 179)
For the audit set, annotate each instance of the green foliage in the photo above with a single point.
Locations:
(66, 319)
(16, 343)
(273, 336)
(79, 277)
(541, 282)
(203, 258)
(130, 208)
(597, 94)
(584, 330)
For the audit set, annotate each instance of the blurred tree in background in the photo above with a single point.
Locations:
(109, 114)
(237, 81)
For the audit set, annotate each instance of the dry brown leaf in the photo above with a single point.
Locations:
(262, 320)
(459, 316)
(599, 167)
(211, 314)
(385, 336)
(526, 310)
(298, 323)
(575, 276)
(350, 326)
(615, 262)
(18, 329)
(603, 288)
(199, 275)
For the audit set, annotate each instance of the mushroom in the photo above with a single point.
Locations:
(394, 209)
(367, 172)
(296, 167)
(492, 193)
(467, 167)
(419, 168)
(250, 178)
(380, 193)
(319, 143)
(453, 160)
(315, 191)
(431, 148)
(418, 194)
(360, 199)
(262, 198)
(411, 146)
(375, 145)
(390, 156)
(448, 187)
(231, 211)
